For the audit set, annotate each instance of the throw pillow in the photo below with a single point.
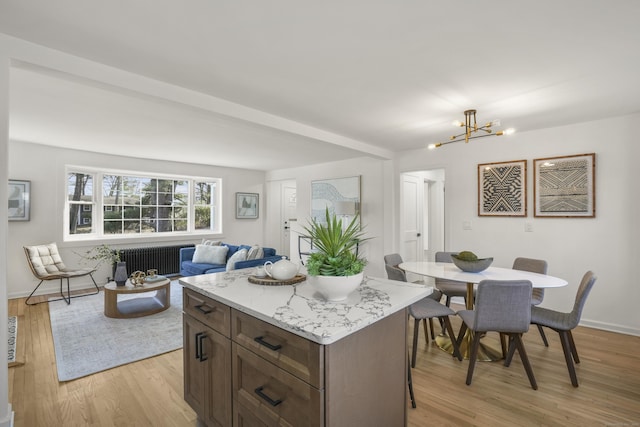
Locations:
(240, 255)
(256, 252)
(211, 242)
(207, 254)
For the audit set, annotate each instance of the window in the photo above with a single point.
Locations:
(80, 195)
(131, 205)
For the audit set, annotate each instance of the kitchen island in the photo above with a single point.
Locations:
(282, 355)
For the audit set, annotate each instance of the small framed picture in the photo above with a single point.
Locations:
(565, 186)
(19, 200)
(502, 188)
(246, 205)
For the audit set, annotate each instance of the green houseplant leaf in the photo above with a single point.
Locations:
(335, 248)
(101, 254)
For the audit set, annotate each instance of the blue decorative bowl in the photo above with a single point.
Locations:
(472, 266)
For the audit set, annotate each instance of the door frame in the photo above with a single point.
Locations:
(434, 208)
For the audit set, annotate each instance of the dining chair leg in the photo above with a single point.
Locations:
(454, 341)
(410, 383)
(510, 351)
(574, 350)
(461, 332)
(473, 356)
(566, 347)
(414, 350)
(517, 338)
(543, 336)
(433, 334)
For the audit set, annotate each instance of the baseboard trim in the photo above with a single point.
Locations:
(611, 327)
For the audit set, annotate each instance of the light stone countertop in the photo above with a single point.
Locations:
(302, 311)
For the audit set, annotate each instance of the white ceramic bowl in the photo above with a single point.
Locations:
(335, 288)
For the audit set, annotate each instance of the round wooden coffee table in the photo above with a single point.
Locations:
(140, 306)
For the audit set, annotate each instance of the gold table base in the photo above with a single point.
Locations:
(485, 353)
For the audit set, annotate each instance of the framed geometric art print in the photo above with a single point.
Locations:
(502, 188)
(565, 186)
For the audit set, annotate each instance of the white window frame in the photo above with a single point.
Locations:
(97, 232)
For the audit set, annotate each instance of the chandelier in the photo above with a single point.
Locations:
(471, 129)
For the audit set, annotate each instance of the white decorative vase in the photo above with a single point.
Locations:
(335, 288)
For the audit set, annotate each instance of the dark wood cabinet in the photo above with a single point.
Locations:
(207, 368)
(257, 374)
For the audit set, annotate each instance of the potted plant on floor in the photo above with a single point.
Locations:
(335, 267)
(104, 253)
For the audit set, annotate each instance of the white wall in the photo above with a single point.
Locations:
(45, 167)
(6, 415)
(608, 244)
(374, 178)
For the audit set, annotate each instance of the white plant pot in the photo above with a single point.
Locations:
(335, 288)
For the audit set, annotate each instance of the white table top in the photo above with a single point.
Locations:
(447, 270)
(300, 310)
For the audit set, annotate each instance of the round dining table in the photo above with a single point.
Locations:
(448, 271)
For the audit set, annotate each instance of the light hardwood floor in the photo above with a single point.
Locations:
(149, 392)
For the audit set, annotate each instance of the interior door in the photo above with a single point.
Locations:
(411, 217)
(288, 215)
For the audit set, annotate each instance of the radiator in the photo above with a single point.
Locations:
(165, 259)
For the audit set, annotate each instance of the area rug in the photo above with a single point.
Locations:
(14, 349)
(86, 341)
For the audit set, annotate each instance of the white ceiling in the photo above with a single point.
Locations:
(387, 75)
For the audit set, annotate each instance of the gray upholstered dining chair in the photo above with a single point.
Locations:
(427, 308)
(46, 263)
(449, 288)
(502, 306)
(564, 323)
(537, 294)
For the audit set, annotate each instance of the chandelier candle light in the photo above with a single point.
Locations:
(470, 128)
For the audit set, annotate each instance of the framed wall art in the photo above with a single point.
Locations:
(336, 194)
(565, 186)
(502, 188)
(19, 200)
(246, 205)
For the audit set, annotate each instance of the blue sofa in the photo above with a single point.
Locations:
(190, 268)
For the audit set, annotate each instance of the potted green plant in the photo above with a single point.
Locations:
(104, 253)
(335, 267)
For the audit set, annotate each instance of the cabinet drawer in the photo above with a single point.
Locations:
(294, 354)
(213, 314)
(273, 395)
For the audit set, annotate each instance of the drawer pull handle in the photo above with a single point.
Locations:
(205, 310)
(269, 400)
(200, 336)
(260, 340)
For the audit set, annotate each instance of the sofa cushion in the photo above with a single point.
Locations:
(232, 249)
(240, 255)
(208, 254)
(255, 252)
(192, 269)
(267, 252)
